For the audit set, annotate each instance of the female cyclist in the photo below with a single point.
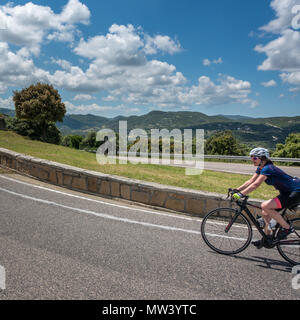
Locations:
(288, 186)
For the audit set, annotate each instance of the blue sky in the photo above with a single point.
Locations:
(128, 57)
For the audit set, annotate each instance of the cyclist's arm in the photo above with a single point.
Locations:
(248, 182)
(258, 181)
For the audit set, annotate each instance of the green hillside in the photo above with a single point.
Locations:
(265, 132)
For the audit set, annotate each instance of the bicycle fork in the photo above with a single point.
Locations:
(232, 221)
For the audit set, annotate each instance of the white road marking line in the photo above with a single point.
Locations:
(106, 216)
(99, 201)
(101, 215)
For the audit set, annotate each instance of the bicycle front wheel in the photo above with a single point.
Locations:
(289, 248)
(221, 236)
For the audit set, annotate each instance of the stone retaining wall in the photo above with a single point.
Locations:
(153, 194)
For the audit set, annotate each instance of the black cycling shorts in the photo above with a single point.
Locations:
(288, 200)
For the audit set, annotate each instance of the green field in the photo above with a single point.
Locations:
(208, 181)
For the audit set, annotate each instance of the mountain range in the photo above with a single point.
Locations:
(266, 132)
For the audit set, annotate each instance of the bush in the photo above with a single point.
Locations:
(72, 141)
(291, 148)
(224, 143)
(33, 130)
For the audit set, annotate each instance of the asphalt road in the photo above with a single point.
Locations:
(244, 168)
(60, 244)
(230, 167)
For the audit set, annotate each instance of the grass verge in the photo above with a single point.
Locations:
(211, 181)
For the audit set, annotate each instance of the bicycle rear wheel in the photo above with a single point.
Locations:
(215, 233)
(289, 248)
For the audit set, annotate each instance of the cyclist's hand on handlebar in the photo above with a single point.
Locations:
(232, 191)
(237, 195)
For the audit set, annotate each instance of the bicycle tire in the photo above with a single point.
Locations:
(214, 235)
(291, 253)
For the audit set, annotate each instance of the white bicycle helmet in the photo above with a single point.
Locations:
(260, 152)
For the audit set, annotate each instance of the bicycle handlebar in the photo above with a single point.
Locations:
(241, 201)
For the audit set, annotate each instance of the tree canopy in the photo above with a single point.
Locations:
(40, 103)
(39, 106)
(291, 148)
(224, 143)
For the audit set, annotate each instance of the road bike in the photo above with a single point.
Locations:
(229, 231)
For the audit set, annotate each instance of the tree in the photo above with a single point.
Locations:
(41, 104)
(224, 143)
(72, 141)
(32, 129)
(291, 148)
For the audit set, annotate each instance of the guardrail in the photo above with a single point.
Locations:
(219, 157)
(248, 158)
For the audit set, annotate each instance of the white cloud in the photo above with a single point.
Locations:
(207, 62)
(284, 16)
(97, 109)
(75, 12)
(283, 52)
(27, 25)
(162, 43)
(118, 63)
(83, 97)
(294, 89)
(65, 65)
(271, 83)
(6, 103)
(230, 90)
(16, 69)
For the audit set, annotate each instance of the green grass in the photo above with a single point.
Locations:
(211, 181)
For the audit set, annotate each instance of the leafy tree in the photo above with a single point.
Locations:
(33, 130)
(291, 148)
(40, 104)
(72, 141)
(89, 142)
(224, 143)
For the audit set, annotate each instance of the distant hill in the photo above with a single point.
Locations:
(265, 132)
(8, 112)
(237, 117)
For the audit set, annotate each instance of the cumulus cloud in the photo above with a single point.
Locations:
(28, 25)
(97, 109)
(283, 52)
(284, 16)
(83, 97)
(119, 64)
(161, 43)
(16, 69)
(207, 62)
(6, 102)
(271, 83)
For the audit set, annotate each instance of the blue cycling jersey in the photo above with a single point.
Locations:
(279, 179)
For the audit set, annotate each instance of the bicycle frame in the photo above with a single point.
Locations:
(243, 207)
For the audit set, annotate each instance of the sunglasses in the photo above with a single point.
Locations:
(254, 158)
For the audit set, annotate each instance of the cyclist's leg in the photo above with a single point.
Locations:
(267, 218)
(270, 211)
